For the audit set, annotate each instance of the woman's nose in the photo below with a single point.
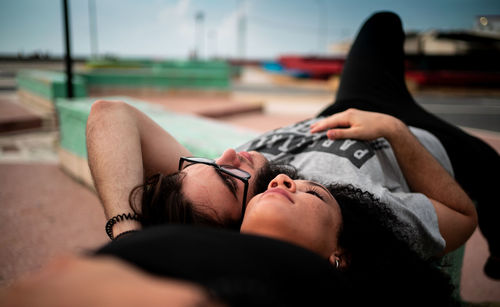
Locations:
(229, 157)
(284, 182)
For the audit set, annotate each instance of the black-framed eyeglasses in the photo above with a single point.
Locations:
(226, 169)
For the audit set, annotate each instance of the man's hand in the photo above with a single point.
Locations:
(99, 281)
(357, 124)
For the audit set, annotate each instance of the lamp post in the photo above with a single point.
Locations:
(242, 32)
(212, 35)
(67, 53)
(93, 28)
(200, 33)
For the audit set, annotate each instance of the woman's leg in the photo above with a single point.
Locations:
(373, 74)
(373, 80)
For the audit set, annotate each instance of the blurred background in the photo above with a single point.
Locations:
(227, 29)
(243, 66)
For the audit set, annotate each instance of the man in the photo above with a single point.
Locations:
(408, 169)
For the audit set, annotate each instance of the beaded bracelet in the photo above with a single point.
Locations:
(118, 218)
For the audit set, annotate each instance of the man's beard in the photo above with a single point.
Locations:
(268, 172)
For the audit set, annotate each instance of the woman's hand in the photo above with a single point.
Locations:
(357, 124)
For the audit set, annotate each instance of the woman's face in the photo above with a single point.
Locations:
(298, 211)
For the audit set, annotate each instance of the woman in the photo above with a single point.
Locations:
(357, 234)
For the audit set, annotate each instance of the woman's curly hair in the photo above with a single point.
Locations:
(380, 260)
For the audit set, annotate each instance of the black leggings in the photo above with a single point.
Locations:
(373, 80)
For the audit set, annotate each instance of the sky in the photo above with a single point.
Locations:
(168, 28)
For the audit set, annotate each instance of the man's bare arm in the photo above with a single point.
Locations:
(124, 145)
(456, 212)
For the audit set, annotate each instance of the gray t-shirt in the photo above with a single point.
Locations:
(370, 166)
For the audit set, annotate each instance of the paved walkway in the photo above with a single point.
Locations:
(44, 213)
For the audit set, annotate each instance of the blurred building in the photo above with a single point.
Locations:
(483, 37)
(455, 58)
(340, 48)
(463, 42)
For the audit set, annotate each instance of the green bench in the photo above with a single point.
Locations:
(452, 265)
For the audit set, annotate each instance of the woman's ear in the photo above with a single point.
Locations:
(340, 260)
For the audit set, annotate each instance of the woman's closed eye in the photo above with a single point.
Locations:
(315, 192)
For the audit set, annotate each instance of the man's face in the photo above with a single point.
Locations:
(219, 194)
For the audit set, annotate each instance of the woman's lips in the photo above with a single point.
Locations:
(280, 191)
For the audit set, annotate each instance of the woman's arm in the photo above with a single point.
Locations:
(124, 145)
(456, 212)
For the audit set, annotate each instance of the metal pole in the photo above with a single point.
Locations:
(200, 34)
(93, 28)
(242, 32)
(67, 54)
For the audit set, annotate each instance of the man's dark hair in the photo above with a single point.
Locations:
(162, 200)
(380, 258)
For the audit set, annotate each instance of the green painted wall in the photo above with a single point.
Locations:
(49, 84)
(159, 74)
